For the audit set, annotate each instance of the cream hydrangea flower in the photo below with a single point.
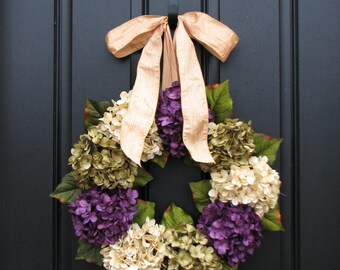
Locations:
(112, 121)
(142, 248)
(256, 184)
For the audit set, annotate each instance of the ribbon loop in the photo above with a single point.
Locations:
(133, 35)
(215, 36)
(146, 31)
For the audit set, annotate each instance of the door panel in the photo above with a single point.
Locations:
(319, 96)
(283, 76)
(27, 139)
(254, 72)
(96, 74)
(91, 61)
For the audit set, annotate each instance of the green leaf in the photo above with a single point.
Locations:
(227, 267)
(67, 191)
(144, 209)
(266, 146)
(272, 220)
(162, 159)
(176, 218)
(93, 111)
(89, 253)
(200, 192)
(142, 178)
(220, 101)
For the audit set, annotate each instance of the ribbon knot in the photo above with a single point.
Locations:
(146, 32)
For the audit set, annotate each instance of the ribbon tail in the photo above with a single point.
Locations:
(142, 107)
(193, 96)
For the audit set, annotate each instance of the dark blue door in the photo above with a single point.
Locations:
(284, 75)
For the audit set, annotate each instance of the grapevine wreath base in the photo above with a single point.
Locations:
(117, 230)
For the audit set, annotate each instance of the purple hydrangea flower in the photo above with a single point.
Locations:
(233, 231)
(102, 217)
(169, 120)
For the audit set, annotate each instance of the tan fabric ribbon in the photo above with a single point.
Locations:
(146, 31)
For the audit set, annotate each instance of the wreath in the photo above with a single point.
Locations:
(118, 230)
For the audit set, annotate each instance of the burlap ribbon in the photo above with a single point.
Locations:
(146, 31)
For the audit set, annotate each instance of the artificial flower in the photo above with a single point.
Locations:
(97, 160)
(187, 249)
(112, 122)
(229, 143)
(255, 184)
(81, 160)
(233, 231)
(102, 217)
(141, 248)
(169, 120)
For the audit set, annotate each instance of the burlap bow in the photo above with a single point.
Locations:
(146, 31)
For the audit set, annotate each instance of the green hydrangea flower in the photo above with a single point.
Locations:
(231, 142)
(187, 249)
(97, 160)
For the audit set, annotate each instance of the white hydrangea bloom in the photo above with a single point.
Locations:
(112, 121)
(255, 184)
(142, 248)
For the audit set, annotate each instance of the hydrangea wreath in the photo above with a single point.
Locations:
(117, 230)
